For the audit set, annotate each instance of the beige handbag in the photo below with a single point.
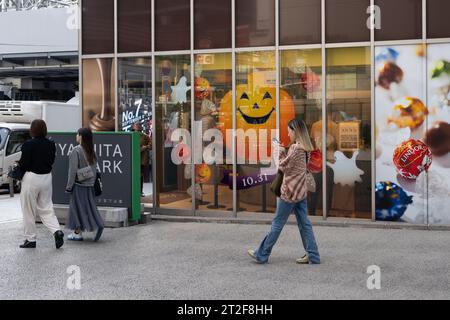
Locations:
(310, 182)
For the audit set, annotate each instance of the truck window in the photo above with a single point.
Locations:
(4, 132)
(16, 140)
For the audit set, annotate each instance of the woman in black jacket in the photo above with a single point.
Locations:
(38, 156)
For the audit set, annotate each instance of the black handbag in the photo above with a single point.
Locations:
(16, 173)
(98, 185)
(275, 186)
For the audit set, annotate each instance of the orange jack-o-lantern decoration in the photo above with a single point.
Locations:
(202, 173)
(202, 88)
(256, 110)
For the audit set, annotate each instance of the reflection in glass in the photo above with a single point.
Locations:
(213, 181)
(98, 26)
(135, 106)
(172, 25)
(349, 132)
(300, 22)
(173, 116)
(437, 18)
(409, 12)
(255, 23)
(301, 76)
(134, 25)
(346, 21)
(255, 119)
(212, 24)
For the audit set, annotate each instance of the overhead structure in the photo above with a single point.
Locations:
(19, 5)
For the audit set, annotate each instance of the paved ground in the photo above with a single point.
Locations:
(9, 207)
(165, 260)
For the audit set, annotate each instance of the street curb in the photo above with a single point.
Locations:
(335, 222)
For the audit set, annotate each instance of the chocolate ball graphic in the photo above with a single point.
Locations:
(438, 138)
(389, 74)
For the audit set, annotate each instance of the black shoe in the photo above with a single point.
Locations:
(98, 235)
(28, 245)
(59, 239)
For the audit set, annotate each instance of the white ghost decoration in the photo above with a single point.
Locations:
(179, 92)
(345, 170)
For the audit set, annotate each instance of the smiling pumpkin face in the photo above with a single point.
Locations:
(202, 88)
(202, 173)
(256, 110)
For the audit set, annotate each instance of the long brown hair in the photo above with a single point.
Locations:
(301, 134)
(87, 143)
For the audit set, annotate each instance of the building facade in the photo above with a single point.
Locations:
(220, 78)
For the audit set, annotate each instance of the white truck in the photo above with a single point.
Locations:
(15, 120)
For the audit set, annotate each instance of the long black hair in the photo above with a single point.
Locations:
(87, 143)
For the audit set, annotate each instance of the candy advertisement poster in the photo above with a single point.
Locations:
(412, 134)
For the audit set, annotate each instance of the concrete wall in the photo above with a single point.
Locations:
(33, 31)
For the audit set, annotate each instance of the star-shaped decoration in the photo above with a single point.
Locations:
(179, 92)
(345, 170)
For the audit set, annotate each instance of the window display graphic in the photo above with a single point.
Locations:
(349, 136)
(413, 135)
(403, 159)
(437, 133)
(98, 94)
(345, 170)
(391, 201)
(255, 112)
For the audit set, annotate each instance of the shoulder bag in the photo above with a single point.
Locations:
(84, 173)
(310, 182)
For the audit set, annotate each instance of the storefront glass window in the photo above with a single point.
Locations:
(300, 22)
(213, 85)
(349, 132)
(346, 21)
(400, 114)
(212, 24)
(134, 25)
(98, 26)
(99, 94)
(135, 106)
(255, 122)
(409, 12)
(172, 25)
(255, 23)
(301, 76)
(437, 18)
(172, 129)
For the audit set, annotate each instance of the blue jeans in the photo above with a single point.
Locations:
(284, 209)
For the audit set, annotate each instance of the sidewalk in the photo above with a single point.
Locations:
(9, 207)
(170, 260)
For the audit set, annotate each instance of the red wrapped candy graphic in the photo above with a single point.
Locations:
(411, 158)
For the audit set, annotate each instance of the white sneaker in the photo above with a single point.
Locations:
(251, 253)
(303, 260)
(75, 237)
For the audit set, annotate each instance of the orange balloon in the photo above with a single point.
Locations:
(256, 110)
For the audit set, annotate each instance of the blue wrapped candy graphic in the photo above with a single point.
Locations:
(387, 55)
(391, 201)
